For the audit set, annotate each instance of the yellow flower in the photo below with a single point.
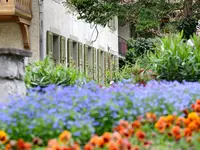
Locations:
(170, 118)
(65, 136)
(193, 116)
(3, 137)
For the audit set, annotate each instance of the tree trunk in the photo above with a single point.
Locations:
(188, 8)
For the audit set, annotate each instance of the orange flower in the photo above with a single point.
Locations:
(106, 137)
(135, 148)
(198, 101)
(8, 147)
(27, 146)
(160, 125)
(117, 138)
(88, 147)
(55, 147)
(101, 142)
(179, 121)
(52, 142)
(197, 108)
(140, 135)
(20, 144)
(187, 132)
(112, 146)
(193, 126)
(123, 123)
(76, 146)
(136, 124)
(3, 137)
(187, 121)
(65, 136)
(192, 106)
(151, 117)
(96, 141)
(176, 132)
(126, 145)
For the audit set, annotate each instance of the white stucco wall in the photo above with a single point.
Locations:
(124, 32)
(58, 20)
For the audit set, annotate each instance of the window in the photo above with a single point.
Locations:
(80, 57)
(112, 23)
(56, 47)
(75, 53)
(90, 62)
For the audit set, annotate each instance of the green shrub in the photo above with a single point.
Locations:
(43, 73)
(174, 59)
(138, 49)
(188, 26)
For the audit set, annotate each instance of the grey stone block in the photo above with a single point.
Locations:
(8, 67)
(12, 67)
(10, 87)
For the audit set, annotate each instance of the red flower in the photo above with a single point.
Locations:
(140, 135)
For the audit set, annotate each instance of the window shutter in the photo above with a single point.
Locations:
(49, 49)
(98, 65)
(80, 57)
(105, 66)
(94, 64)
(62, 50)
(70, 53)
(102, 73)
(86, 60)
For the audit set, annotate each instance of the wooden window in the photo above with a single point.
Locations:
(100, 63)
(105, 66)
(80, 57)
(86, 60)
(56, 47)
(75, 54)
(49, 46)
(94, 64)
(90, 62)
(62, 50)
(70, 53)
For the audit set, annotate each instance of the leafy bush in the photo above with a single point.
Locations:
(174, 59)
(44, 73)
(90, 109)
(188, 26)
(138, 48)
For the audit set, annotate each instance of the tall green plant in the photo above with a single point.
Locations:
(43, 73)
(175, 59)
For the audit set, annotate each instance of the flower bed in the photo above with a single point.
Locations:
(166, 132)
(90, 109)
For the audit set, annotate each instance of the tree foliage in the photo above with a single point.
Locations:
(145, 14)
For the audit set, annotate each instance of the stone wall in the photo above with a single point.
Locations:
(12, 71)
